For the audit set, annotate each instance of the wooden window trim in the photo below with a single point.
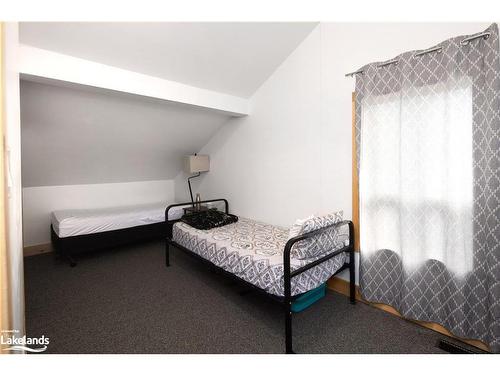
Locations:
(355, 180)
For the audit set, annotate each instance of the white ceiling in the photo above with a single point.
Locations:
(79, 135)
(233, 58)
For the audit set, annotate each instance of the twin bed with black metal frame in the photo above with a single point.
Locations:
(77, 231)
(194, 242)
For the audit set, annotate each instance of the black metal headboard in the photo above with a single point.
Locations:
(170, 223)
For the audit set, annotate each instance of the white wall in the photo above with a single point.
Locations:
(292, 156)
(39, 202)
(73, 135)
(256, 162)
(87, 148)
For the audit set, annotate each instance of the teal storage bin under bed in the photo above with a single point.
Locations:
(308, 298)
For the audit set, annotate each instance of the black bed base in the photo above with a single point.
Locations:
(68, 247)
(287, 299)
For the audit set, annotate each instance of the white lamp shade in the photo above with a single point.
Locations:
(197, 163)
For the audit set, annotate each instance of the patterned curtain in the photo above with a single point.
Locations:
(428, 141)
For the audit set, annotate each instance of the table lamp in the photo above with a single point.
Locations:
(196, 164)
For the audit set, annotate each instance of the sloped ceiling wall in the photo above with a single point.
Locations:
(230, 57)
(82, 136)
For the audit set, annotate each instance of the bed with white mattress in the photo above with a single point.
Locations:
(253, 251)
(76, 231)
(77, 222)
(283, 264)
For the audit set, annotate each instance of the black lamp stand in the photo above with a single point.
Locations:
(189, 184)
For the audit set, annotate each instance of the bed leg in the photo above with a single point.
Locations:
(287, 289)
(71, 260)
(288, 328)
(352, 278)
(167, 254)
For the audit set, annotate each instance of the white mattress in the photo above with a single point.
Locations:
(67, 223)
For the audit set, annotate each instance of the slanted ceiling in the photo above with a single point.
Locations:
(78, 135)
(228, 57)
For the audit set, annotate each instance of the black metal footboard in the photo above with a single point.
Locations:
(289, 274)
(287, 299)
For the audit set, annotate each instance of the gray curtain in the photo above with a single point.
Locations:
(428, 143)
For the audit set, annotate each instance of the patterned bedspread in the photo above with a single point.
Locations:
(253, 251)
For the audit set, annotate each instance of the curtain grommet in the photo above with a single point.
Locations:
(484, 35)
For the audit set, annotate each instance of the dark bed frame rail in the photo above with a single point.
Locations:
(69, 247)
(287, 299)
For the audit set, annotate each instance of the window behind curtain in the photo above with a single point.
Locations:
(416, 181)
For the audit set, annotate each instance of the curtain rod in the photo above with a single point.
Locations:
(438, 49)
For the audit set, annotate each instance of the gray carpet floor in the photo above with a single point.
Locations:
(127, 301)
